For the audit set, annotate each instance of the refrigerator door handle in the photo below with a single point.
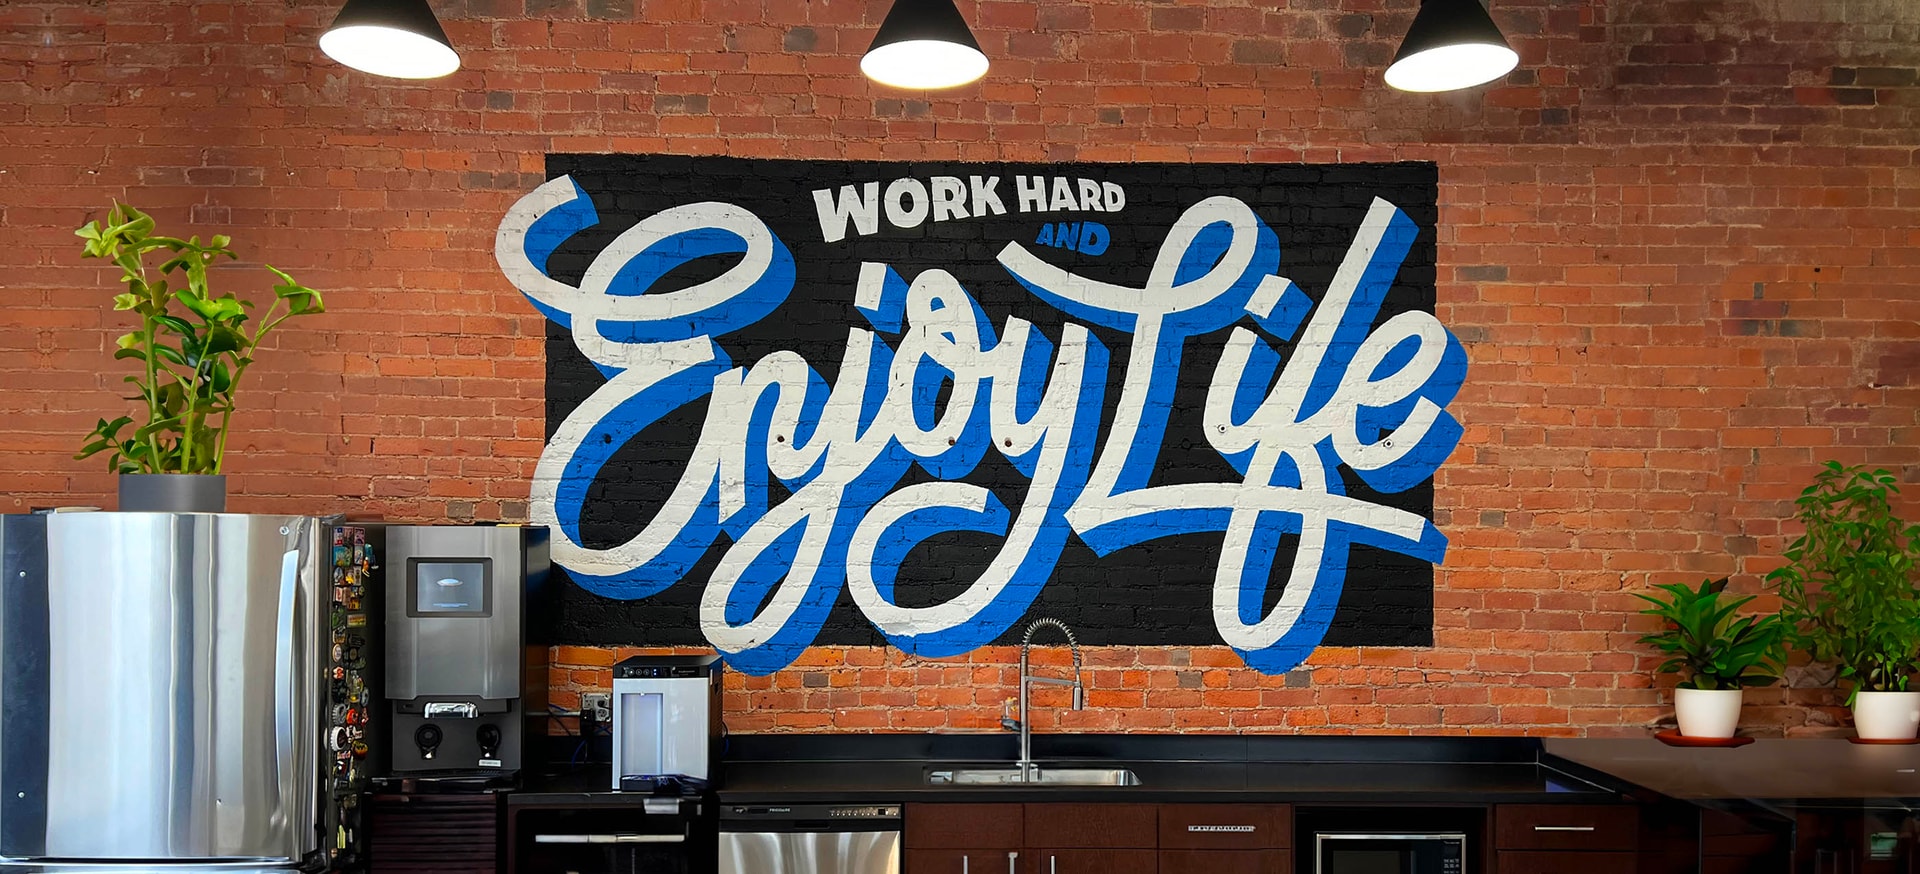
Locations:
(283, 651)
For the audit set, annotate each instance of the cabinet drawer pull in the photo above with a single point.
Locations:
(1012, 856)
(963, 865)
(1563, 828)
(1242, 829)
(1050, 862)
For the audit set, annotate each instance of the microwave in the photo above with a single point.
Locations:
(1376, 852)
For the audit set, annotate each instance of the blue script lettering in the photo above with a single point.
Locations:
(951, 386)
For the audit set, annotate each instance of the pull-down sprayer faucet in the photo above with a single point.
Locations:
(1024, 724)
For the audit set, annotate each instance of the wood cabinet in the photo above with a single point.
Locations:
(1226, 839)
(964, 838)
(1088, 861)
(963, 861)
(1072, 838)
(1565, 839)
(964, 826)
(1090, 839)
(1178, 838)
(1127, 838)
(1226, 861)
(421, 834)
(1092, 826)
(1564, 862)
(1565, 827)
(1226, 826)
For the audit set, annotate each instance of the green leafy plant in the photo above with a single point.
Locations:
(1851, 585)
(1706, 641)
(192, 360)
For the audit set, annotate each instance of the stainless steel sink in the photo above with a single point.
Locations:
(1041, 776)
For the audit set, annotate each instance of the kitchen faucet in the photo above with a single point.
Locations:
(1024, 724)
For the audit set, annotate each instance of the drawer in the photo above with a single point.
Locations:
(963, 861)
(1080, 861)
(1226, 861)
(1114, 826)
(1226, 826)
(962, 826)
(1565, 827)
(1563, 862)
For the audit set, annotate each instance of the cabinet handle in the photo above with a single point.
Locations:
(1012, 856)
(1563, 828)
(1050, 861)
(1242, 829)
(963, 865)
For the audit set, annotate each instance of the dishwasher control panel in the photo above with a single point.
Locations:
(864, 812)
(811, 811)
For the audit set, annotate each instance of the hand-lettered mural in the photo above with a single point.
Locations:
(801, 403)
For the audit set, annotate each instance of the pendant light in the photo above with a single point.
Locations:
(1452, 44)
(397, 38)
(924, 44)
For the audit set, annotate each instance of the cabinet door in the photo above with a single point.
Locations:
(1566, 827)
(1226, 826)
(1563, 862)
(1092, 826)
(1084, 861)
(963, 826)
(1226, 861)
(963, 861)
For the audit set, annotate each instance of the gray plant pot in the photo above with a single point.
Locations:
(173, 493)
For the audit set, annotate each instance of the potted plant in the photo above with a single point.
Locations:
(1717, 654)
(191, 361)
(1851, 589)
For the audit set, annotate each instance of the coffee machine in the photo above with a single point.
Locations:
(666, 722)
(466, 678)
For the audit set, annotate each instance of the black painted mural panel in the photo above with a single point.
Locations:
(915, 404)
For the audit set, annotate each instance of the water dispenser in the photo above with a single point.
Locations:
(666, 720)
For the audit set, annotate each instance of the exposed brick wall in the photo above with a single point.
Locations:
(1680, 243)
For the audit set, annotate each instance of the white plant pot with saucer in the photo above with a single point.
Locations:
(1709, 713)
(1886, 715)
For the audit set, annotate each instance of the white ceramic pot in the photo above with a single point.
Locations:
(1886, 715)
(1707, 712)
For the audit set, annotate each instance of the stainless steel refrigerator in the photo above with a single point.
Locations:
(165, 689)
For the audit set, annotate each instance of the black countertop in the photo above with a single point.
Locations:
(1206, 768)
(1426, 783)
(795, 769)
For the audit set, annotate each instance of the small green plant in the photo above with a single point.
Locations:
(1851, 585)
(1712, 647)
(190, 366)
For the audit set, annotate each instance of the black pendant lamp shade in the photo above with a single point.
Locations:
(1452, 44)
(398, 38)
(924, 44)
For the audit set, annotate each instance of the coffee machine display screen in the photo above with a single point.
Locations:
(449, 587)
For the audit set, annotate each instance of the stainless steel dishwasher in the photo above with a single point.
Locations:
(810, 839)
